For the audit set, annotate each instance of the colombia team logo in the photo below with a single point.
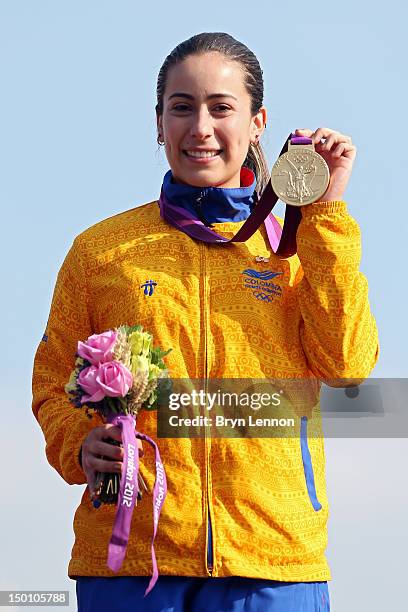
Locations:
(261, 284)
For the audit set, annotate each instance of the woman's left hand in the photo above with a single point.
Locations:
(339, 153)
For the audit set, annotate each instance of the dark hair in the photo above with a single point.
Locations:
(236, 51)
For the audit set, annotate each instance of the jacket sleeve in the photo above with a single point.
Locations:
(64, 426)
(337, 331)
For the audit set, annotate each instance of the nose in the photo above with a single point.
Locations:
(201, 124)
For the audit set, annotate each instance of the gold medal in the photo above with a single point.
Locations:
(300, 176)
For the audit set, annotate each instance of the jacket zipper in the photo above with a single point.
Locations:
(207, 444)
(198, 207)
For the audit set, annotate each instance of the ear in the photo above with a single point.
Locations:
(159, 123)
(258, 124)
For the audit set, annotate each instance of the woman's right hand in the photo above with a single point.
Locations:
(94, 447)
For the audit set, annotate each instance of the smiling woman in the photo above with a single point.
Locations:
(210, 113)
(244, 524)
(207, 127)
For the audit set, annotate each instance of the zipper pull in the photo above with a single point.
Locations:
(199, 201)
(198, 205)
(200, 197)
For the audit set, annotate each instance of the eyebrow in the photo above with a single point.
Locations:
(210, 97)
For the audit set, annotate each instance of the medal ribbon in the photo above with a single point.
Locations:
(128, 493)
(282, 241)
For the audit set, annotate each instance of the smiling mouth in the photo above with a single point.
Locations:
(202, 154)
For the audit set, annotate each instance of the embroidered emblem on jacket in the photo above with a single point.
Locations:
(261, 285)
(149, 286)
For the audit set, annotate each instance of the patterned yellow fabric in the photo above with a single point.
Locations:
(316, 325)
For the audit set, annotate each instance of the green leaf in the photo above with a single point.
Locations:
(157, 354)
(112, 405)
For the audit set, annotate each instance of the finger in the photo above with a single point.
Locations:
(98, 464)
(320, 133)
(329, 142)
(337, 137)
(344, 149)
(140, 447)
(303, 132)
(338, 151)
(349, 151)
(315, 136)
(115, 452)
(113, 431)
(108, 450)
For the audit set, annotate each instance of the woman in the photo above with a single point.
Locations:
(244, 524)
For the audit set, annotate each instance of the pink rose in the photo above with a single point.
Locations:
(111, 378)
(98, 348)
(87, 381)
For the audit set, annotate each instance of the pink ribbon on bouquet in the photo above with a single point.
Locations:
(128, 491)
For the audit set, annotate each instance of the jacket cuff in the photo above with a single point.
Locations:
(325, 208)
(72, 447)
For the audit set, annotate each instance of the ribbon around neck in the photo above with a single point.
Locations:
(282, 241)
(128, 494)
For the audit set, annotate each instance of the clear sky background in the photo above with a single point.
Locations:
(78, 144)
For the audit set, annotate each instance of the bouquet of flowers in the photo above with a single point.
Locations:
(117, 372)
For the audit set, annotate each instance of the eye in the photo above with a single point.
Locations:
(185, 107)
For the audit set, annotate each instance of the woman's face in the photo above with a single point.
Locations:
(207, 108)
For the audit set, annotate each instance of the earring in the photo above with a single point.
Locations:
(158, 140)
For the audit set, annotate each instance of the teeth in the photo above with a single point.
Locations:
(202, 153)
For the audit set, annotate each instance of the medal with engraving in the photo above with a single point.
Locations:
(300, 176)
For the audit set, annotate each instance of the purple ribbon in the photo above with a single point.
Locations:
(128, 494)
(283, 242)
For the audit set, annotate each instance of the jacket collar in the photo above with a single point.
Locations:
(214, 204)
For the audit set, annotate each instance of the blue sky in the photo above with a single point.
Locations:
(78, 144)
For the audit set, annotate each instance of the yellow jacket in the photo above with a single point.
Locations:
(266, 497)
